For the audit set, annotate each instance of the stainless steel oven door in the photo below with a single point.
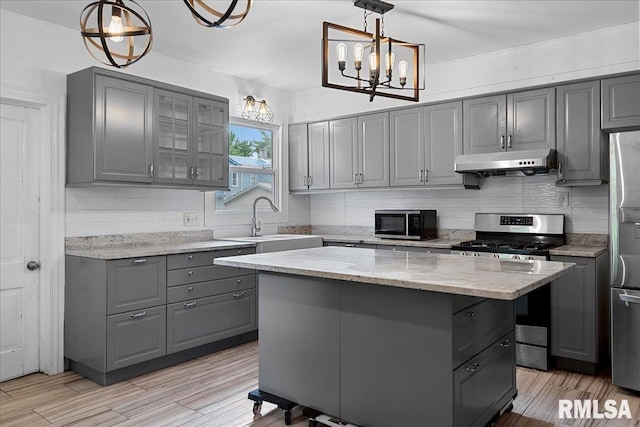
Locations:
(625, 338)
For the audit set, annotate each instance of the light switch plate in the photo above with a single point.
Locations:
(191, 219)
(563, 199)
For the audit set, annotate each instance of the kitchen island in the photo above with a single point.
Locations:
(382, 338)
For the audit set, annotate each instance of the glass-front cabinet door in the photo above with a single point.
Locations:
(211, 149)
(172, 151)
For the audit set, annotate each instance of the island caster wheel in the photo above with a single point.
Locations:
(287, 417)
(257, 406)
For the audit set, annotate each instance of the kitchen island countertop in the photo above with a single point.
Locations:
(480, 277)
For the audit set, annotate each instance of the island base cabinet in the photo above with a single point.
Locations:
(485, 384)
(201, 321)
(135, 337)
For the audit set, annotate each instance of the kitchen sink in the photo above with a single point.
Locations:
(280, 242)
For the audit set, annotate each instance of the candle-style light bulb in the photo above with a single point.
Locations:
(403, 66)
(341, 50)
(115, 26)
(358, 50)
(389, 59)
(373, 66)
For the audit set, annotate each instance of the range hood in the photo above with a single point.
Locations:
(529, 162)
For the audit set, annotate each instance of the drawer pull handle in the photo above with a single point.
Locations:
(190, 257)
(471, 314)
(474, 367)
(240, 252)
(190, 273)
(239, 281)
(190, 304)
(349, 246)
(505, 343)
(141, 314)
(238, 295)
(138, 261)
(190, 288)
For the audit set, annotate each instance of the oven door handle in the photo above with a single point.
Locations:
(630, 298)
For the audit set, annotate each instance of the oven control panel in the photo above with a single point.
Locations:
(516, 220)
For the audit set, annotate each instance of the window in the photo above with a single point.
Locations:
(252, 172)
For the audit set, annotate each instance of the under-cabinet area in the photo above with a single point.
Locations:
(125, 317)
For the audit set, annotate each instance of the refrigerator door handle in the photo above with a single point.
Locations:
(630, 298)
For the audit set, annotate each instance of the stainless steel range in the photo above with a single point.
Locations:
(521, 237)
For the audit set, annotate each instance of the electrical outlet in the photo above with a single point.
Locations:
(563, 199)
(191, 219)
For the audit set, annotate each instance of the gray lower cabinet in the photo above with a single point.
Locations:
(124, 317)
(621, 103)
(580, 313)
(583, 156)
(382, 356)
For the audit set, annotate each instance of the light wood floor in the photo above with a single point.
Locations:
(212, 391)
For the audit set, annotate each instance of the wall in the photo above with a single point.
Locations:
(608, 51)
(587, 211)
(40, 62)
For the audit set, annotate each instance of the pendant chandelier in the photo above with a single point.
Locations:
(258, 111)
(402, 75)
(118, 26)
(227, 19)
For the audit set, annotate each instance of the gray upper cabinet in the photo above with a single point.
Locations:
(582, 153)
(109, 135)
(373, 150)
(298, 157)
(515, 121)
(191, 143)
(621, 102)
(424, 144)
(343, 153)
(309, 156)
(125, 129)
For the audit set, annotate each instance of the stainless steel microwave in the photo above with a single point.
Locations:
(406, 224)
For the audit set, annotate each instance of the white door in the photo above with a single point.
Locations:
(19, 220)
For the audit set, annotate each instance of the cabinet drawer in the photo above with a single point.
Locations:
(199, 259)
(204, 274)
(136, 283)
(205, 320)
(207, 289)
(484, 384)
(477, 326)
(135, 337)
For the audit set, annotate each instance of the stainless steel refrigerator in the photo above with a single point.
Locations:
(624, 232)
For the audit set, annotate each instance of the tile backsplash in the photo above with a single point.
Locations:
(585, 208)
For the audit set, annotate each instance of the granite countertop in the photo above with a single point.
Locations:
(433, 243)
(139, 250)
(579, 251)
(481, 277)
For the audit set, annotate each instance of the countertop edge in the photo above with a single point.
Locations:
(109, 253)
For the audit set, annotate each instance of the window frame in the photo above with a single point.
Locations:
(217, 217)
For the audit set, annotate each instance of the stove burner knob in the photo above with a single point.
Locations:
(463, 253)
(515, 256)
(528, 257)
(476, 254)
(496, 256)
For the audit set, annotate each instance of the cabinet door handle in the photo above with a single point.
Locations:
(630, 298)
(239, 281)
(190, 273)
(561, 179)
(239, 294)
(190, 288)
(190, 257)
(190, 304)
(305, 182)
(474, 367)
(138, 261)
(150, 170)
(361, 179)
(502, 142)
(309, 181)
(191, 172)
(137, 315)
(509, 142)
(471, 314)
(355, 179)
(420, 175)
(197, 172)
(505, 343)
(426, 175)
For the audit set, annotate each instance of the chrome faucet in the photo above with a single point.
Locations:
(255, 225)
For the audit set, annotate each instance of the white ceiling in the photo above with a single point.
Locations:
(279, 41)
